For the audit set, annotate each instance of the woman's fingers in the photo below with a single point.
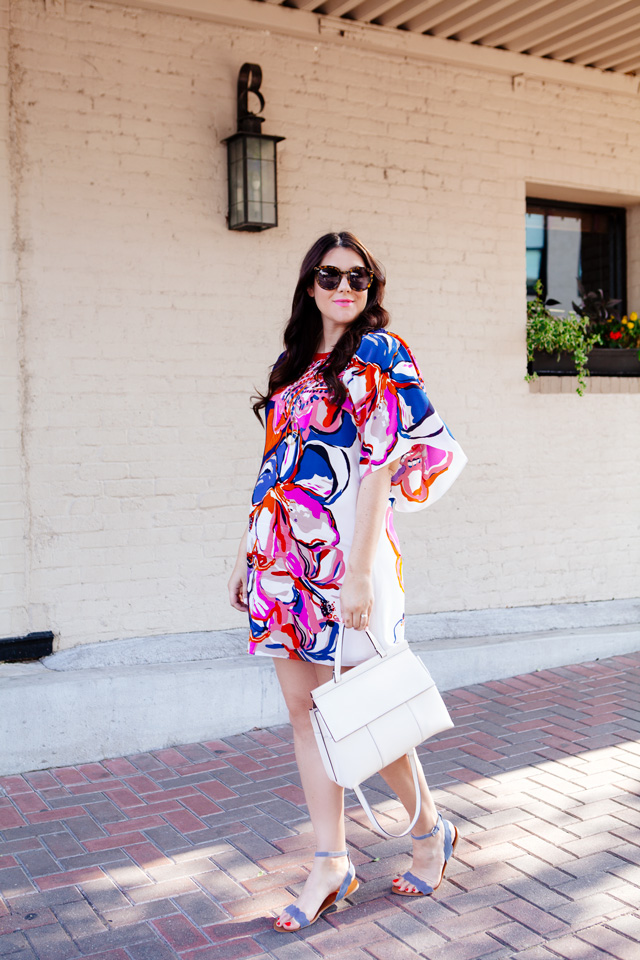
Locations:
(357, 619)
(237, 592)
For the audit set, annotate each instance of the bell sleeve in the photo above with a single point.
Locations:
(395, 419)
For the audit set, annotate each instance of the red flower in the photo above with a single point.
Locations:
(615, 336)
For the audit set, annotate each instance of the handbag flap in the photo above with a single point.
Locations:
(370, 690)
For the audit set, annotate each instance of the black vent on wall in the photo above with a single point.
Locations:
(31, 647)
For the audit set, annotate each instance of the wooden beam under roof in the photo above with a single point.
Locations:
(431, 20)
(409, 10)
(630, 66)
(455, 25)
(610, 61)
(337, 8)
(305, 4)
(611, 46)
(499, 23)
(372, 9)
(571, 16)
(580, 38)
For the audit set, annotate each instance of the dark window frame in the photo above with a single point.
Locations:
(617, 244)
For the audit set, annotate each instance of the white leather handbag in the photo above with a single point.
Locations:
(373, 714)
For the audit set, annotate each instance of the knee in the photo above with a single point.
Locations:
(298, 707)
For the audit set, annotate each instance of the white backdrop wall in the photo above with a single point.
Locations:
(13, 498)
(145, 325)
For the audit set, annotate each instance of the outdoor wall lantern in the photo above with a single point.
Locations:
(251, 159)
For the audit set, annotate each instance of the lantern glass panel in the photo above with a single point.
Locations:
(269, 213)
(254, 150)
(268, 151)
(254, 181)
(236, 183)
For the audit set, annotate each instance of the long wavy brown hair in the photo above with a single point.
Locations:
(303, 331)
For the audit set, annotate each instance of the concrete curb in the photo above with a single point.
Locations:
(63, 717)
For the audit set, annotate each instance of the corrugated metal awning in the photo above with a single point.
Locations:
(604, 34)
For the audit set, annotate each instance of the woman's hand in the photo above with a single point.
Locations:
(356, 600)
(238, 588)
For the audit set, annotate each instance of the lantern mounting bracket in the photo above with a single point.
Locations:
(249, 80)
(251, 161)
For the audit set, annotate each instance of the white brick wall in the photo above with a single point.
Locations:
(147, 324)
(13, 556)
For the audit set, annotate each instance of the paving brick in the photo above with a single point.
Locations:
(63, 845)
(457, 927)
(531, 916)
(14, 882)
(179, 932)
(595, 865)
(150, 910)
(69, 878)
(52, 943)
(79, 919)
(118, 954)
(188, 868)
(159, 891)
(411, 931)
(536, 953)
(84, 828)
(594, 844)
(486, 875)
(540, 894)
(155, 949)
(516, 936)
(391, 950)
(490, 895)
(110, 939)
(470, 948)
(239, 949)
(336, 942)
(184, 821)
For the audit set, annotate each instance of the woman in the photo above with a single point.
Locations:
(349, 430)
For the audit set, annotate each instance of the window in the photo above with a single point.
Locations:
(567, 242)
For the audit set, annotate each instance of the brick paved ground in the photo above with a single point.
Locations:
(189, 852)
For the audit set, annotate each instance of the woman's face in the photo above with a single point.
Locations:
(342, 306)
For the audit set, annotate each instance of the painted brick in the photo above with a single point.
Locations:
(134, 513)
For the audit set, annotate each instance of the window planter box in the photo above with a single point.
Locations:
(603, 362)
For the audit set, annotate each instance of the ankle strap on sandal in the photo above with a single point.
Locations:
(432, 832)
(331, 853)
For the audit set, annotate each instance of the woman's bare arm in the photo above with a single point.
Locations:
(238, 579)
(356, 595)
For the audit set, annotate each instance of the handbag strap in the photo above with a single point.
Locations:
(372, 817)
(380, 649)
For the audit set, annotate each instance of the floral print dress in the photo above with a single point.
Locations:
(304, 503)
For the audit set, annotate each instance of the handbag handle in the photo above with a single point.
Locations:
(380, 649)
(372, 817)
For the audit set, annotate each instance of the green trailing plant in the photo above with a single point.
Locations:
(554, 334)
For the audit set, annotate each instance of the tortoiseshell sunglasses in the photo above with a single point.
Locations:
(329, 278)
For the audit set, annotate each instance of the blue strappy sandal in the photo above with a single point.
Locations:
(422, 889)
(349, 885)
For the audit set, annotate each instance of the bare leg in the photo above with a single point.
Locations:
(325, 799)
(428, 854)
